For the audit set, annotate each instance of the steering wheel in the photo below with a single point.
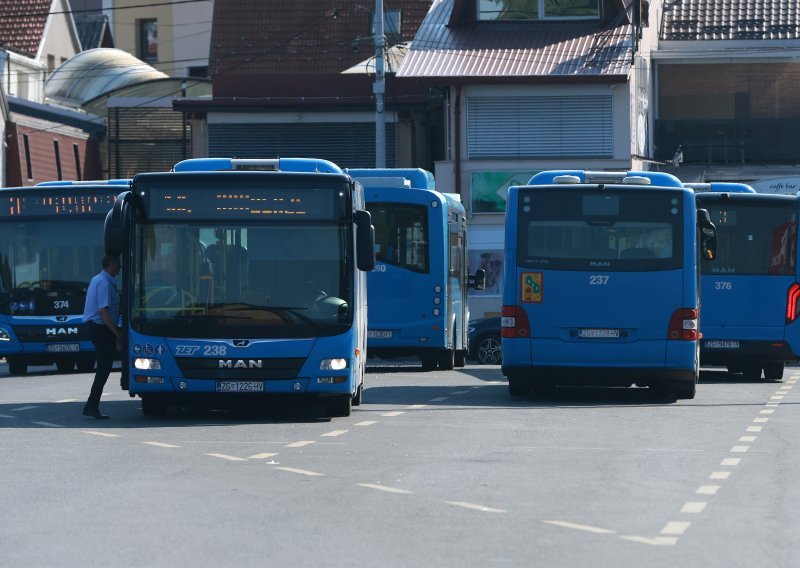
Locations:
(172, 297)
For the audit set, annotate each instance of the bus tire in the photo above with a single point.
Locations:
(751, 372)
(428, 362)
(543, 391)
(461, 358)
(773, 371)
(518, 387)
(447, 359)
(357, 398)
(154, 405)
(686, 392)
(16, 367)
(339, 406)
(65, 365)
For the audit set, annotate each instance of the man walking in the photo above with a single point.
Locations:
(100, 315)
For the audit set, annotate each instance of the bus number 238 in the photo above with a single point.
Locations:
(598, 279)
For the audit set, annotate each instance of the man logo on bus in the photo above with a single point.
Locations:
(532, 284)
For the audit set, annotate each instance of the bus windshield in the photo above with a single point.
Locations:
(401, 235)
(46, 265)
(612, 230)
(265, 281)
(753, 239)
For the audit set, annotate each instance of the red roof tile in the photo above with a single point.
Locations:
(22, 24)
(731, 20)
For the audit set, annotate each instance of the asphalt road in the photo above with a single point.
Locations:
(434, 469)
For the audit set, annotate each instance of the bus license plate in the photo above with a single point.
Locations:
(598, 333)
(62, 348)
(240, 386)
(714, 344)
(379, 334)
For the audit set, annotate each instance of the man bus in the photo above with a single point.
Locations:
(601, 286)
(50, 246)
(419, 289)
(243, 280)
(750, 292)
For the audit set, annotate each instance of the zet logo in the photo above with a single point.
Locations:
(532, 286)
(186, 350)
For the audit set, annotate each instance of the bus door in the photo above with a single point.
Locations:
(599, 274)
(409, 233)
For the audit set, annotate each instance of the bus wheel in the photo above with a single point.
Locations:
(154, 406)
(339, 406)
(518, 387)
(461, 358)
(752, 372)
(16, 367)
(65, 365)
(357, 398)
(773, 371)
(686, 391)
(428, 362)
(447, 359)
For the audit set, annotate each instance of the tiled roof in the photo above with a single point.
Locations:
(22, 24)
(91, 29)
(731, 19)
(515, 50)
(302, 36)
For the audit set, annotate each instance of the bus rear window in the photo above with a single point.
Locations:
(401, 234)
(617, 231)
(753, 239)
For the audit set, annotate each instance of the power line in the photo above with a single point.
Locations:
(21, 14)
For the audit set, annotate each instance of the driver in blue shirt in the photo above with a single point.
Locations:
(101, 315)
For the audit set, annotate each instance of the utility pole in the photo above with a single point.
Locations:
(378, 88)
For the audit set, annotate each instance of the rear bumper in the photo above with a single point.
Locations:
(602, 377)
(747, 352)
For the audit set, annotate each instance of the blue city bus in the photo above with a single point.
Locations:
(50, 247)
(418, 291)
(244, 281)
(601, 285)
(750, 292)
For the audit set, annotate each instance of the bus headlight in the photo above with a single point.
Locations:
(333, 364)
(4, 335)
(144, 363)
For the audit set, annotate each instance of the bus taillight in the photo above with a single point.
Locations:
(791, 304)
(514, 323)
(683, 325)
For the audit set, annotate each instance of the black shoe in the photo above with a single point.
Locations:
(94, 413)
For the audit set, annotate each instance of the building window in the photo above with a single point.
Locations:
(77, 154)
(391, 25)
(57, 151)
(26, 143)
(148, 40)
(198, 72)
(538, 9)
(51, 63)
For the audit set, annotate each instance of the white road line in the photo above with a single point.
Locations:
(439, 399)
(416, 406)
(577, 527)
(395, 413)
(730, 461)
(675, 528)
(227, 457)
(299, 444)
(777, 397)
(263, 456)
(719, 475)
(755, 428)
(748, 438)
(785, 388)
(739, 449)
(707, 490)
(385, 488)
(760, 420)
(694, 507)
(767, 411)
(657, 541)
(67, 400)
(49, 424)
(301, 471)
(21, 408)
(104, 434)
(366, 423)
(161, 444)
(6, 416)
(475, 507)
(773, 404)
(459, 392)
(334, 433)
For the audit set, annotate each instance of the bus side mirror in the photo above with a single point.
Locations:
(365, 241)
(708, 235)
(117, 225)
(478, 281)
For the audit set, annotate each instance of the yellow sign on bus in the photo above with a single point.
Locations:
(532, 285)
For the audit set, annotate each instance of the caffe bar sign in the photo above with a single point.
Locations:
(784, 185)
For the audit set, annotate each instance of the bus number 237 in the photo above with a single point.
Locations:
(598, 279)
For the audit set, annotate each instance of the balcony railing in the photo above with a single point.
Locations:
(751, 141)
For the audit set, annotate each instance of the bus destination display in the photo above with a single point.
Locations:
(259, 203)
(66, 205)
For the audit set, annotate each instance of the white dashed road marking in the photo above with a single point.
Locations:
(67, 400)
(301, 471)
(675, 528)
(262, 456)
(160, 444)
(475, 507)
(694, 507)
(227, 457)
(367, 423)
(416, 406)
(730, 461)
(21, 408)
(739, 449)
(49, 424)
(439, 399)
(300, 444)
(6, 416)
(707, 490)
(657, 541)
(459, 392)
(719, 475)
(755, 428)
(578, 527)
(395, 413)
(385, 488)
(335, 433)
(104, 434)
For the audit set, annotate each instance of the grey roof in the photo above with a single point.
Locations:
(90, 29)
(731, 20)
(515, 50)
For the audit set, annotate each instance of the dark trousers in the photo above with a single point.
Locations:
(105, 347)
